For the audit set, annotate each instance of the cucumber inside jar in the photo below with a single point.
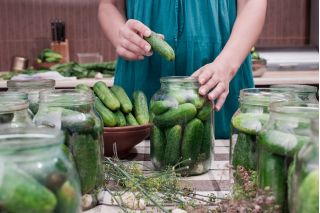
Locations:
(182, 134)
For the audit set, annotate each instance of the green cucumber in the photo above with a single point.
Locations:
(250, 123)
(244, 153)
(157, 147)
(206, 145)
(121, 120)
(68, 198)
(160, 46)
(182, 114)
(125, 103)
(20, 192)
(131, 121)
(282, 143)
(140, 109)
(308, 195)
(191, 141)
(172, 150)
(205, 112)
(159, 107)
(272, 173)
(75, 121)
(109, 119)
(106, 96)
(198, 101)
(83, 87)
(87, 156)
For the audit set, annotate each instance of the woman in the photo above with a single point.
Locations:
(211, 39)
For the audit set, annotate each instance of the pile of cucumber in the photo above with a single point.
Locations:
(115, 107)
(182, 132)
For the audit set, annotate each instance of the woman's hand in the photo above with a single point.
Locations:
(214, 79)
(131, 44)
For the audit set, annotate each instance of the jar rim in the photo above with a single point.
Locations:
(262, 96)
(76, 97)
(31, 84)
(297, 108)
(13, 105)
(178, 79)
(297, 88)
(29, 138)
(13, 95)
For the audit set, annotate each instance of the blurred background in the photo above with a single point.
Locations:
(289, 41)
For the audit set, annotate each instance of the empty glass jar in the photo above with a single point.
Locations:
(14, 110)
(72, 111)
(286, 132)
(35, 174)
(32, 88)
(182, 135)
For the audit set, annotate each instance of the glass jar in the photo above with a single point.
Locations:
(303, 193)
(246, 123)
(72, 111)
(182, 134)
(32, 88)
(305, 93)
(14, 110)
(286, 132)
(35, 174)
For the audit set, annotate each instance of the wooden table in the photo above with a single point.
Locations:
(216, 181)
(269, 78)
(287, 77)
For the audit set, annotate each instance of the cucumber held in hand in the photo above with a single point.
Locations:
(140, 107)
(160, 46)
(106, 96)
(20, 192)
(125, 103)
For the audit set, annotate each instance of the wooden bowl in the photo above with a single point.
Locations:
(125, 138)
(259, 67)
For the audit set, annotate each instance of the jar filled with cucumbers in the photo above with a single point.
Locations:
(303, 193)
(32, 88)
(285, 133)
(304, 93)
(72, 111)
(35, 173)
(246, 123)
(182, 132)
(14, 110)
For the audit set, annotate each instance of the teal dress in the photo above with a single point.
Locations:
(197, 31)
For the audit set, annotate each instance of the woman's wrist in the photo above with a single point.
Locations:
(229, 62)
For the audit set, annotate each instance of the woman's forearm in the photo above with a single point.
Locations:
(245, 32)
(111, 17)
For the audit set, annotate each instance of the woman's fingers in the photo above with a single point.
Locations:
(133, 48)
(133, 37)
(217, 91)
(205, 75)
(127, 54)
(204, 89)
(221, 100)
(138, 27)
